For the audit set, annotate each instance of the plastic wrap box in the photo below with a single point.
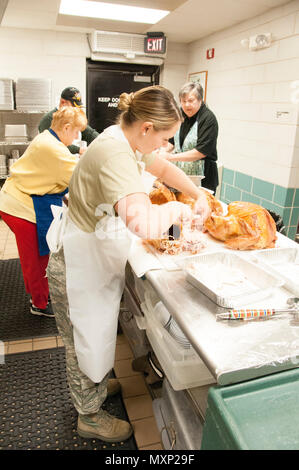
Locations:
(179, 425)
(261, 414)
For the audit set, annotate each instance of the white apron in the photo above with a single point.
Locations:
(95, 273)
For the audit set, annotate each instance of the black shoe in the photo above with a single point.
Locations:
(45, 312)
(31, 303)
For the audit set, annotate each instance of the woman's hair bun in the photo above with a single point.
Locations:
(125, 101)
(154, 104)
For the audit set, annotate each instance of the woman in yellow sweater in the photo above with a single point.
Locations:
(38, 179)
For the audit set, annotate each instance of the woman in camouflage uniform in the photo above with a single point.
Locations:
(86, 275)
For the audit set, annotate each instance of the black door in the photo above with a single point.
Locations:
(105, 81)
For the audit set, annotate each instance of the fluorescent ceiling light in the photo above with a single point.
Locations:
(109, 11)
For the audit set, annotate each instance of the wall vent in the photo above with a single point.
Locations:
(121, 47)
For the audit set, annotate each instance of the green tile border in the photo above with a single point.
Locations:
(272, 207)
(232, 193)
(243, 181)
(228, 176)
(286, 215)
(237, 186)
(294, 216)
(283, 196)
(291, 232)
(250, 198)
(263, 189)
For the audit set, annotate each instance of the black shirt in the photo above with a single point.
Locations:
(206, 142)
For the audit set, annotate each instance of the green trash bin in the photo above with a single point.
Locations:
(261, 414)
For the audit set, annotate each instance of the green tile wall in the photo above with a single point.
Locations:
(238, 186)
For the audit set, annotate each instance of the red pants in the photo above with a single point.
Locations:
(33, 265)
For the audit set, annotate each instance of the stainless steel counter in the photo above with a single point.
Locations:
(234, 351)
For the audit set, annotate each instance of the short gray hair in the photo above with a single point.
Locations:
(191, 87)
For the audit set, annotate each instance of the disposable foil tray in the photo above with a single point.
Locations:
(283, 262)
(228, 279)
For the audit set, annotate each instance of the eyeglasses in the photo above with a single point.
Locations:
(191, 100)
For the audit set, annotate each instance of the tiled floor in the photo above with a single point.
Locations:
(136, 397)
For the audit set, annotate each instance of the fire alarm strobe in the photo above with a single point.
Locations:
(260, 41)
(210, 53)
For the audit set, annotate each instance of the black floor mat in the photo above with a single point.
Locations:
(16, 321)
(36, 411)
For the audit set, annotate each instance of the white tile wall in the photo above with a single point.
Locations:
(255, 94)
(174, 71)
(62, 56)
(45, 54)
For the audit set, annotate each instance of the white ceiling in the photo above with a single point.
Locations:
(187, 21)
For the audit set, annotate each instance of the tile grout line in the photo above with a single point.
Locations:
(141, 419)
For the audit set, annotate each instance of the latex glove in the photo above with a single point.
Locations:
(175, 212)
(186, 214)
(201, 210)
(82, 147)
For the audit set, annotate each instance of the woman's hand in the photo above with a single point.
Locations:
(184, 211)
(201, 208)
(66, 199)
(163, 154)
(147, 220)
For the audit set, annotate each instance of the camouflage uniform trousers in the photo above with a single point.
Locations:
(87, 396)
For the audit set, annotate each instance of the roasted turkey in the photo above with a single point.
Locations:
(190, 240)
(215, 205)
(246, 226)
(161, 194)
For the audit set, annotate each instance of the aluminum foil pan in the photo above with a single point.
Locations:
(228, 279)
(283, 262)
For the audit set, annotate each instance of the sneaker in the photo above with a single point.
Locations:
(45, 312)
(113, 387)
(49, 300)
(104, 426)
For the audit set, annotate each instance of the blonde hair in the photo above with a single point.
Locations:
(155, 104)
(69, 115)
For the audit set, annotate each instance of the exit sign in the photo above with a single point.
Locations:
(155, 44)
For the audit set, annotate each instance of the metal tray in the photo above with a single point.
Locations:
(259, 283)
(283, 262)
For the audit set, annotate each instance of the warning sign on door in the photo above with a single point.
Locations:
(112, 102)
